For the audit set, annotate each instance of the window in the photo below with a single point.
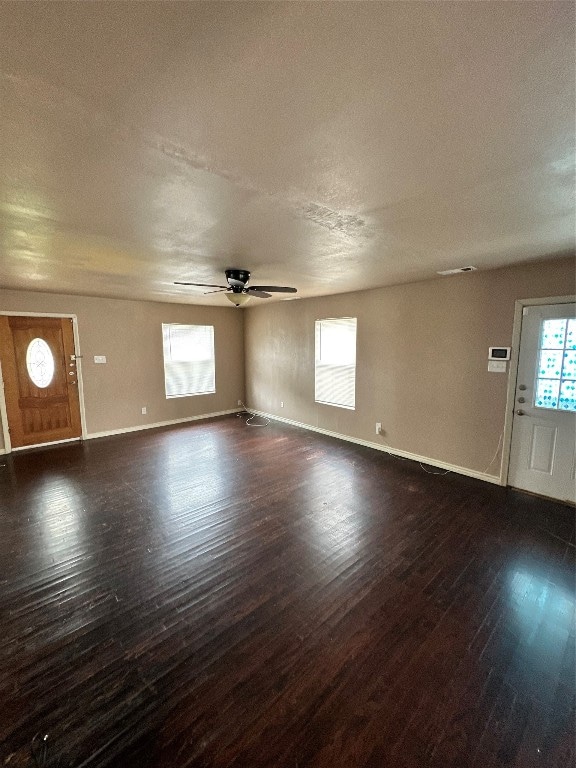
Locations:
(188, 359)
(336, 362)
(40, 363)
(556, 378)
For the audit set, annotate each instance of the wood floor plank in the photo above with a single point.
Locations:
(219, 596)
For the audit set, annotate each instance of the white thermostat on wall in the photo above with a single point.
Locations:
(499, 353)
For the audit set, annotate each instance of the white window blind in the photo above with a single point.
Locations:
(188, 359)
(336, 362)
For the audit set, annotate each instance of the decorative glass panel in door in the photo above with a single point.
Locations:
(556, 376)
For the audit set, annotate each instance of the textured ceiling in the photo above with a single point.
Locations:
(329, 146)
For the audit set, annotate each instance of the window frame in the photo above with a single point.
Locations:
(564, 352)
(186, 371)
(342, 375)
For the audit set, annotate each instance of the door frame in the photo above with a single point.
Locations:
(519, 306)
(3, 412)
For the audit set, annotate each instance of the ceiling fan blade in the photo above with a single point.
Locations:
(273, 289)
(256, 292)
(203, 285)
(218, 290)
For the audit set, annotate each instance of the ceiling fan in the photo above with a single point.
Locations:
(237, 291)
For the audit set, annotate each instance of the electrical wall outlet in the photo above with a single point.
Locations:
(144, 410)
(239, 402)
(378, 427)
(281, 403)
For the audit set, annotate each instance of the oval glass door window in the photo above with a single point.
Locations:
(40, 362)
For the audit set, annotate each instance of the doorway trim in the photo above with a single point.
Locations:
(3, 412)
(519, 306)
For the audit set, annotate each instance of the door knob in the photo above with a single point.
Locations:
(520, 412)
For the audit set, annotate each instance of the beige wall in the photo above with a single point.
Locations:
(129, 333)
(421, 359)
(422, 354)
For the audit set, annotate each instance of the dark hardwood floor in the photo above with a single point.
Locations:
(218, 595)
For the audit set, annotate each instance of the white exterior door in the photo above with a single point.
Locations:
(542, 457)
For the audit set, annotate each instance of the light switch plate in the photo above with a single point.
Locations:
(497, 366)
(99, 358)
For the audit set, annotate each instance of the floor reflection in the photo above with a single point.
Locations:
(539, 624)
(335, 517)
(59, 512)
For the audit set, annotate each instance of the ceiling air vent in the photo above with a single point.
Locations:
(457, 270)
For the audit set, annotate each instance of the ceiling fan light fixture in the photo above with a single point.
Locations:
(237, 291)
(238, 299)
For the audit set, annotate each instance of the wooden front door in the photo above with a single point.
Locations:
(40, 379)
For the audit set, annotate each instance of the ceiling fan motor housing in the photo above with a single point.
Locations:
(237, 278)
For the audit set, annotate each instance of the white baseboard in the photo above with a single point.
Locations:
(44, 445)
(108, 433)
(386, 449)
(358, 441)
